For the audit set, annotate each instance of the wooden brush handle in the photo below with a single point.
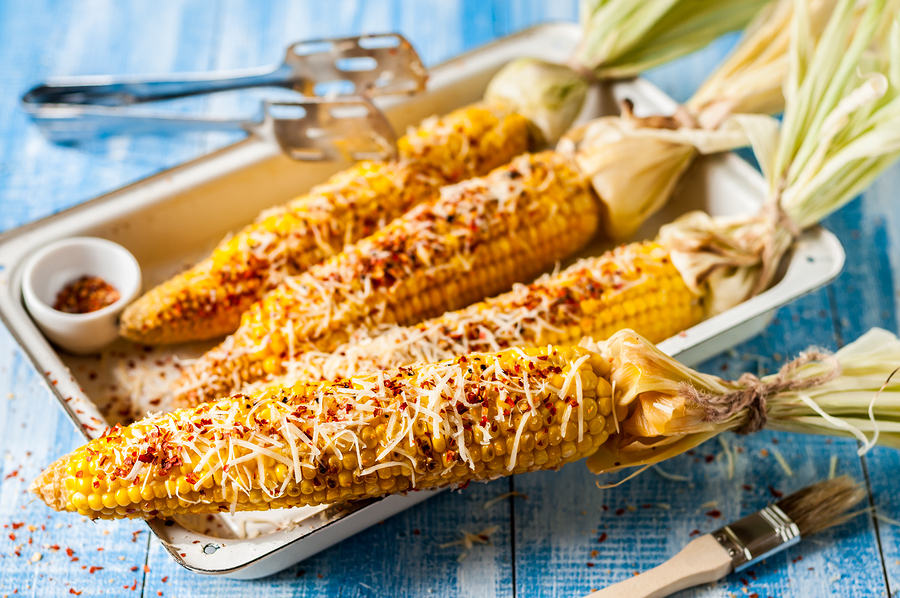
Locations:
(703, 560)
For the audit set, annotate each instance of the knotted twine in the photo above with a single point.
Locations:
(755, 393)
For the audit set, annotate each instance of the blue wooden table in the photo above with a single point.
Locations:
(567, 536)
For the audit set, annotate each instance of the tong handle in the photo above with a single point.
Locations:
(125, 91)
(366, 65)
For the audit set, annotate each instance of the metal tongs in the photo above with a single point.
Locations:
(334, 120)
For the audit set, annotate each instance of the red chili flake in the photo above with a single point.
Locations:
(18, 525)
(715, 513)
(12, 475)
(747, 487)
(134, 535)
(159, 592)
(135, 568)
(590, 564)
(132, 587)
(775, 492)
(85, 295)
(12, 537)
(146, 569)
(620, 511)
(745, 582)
(94, 569)
(165, 579)
(54, 547)
(100, 549)
(753, 595)
(72, 591)
(602, 538)
(710, 458)
(416, 532)
(696, 532)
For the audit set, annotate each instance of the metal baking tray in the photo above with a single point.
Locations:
(171, 219)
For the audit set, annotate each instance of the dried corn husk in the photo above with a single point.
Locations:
(849, 394)
(634, 168)
(841, 129)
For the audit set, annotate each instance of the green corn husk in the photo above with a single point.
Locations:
(657, 418)
(635, 164)
(621, 38)
(841, 129)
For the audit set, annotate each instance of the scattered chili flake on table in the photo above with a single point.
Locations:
(602, 538)
(72, 591)
(86, 294)
(715, 513)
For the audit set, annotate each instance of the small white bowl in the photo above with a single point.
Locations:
(49, 270)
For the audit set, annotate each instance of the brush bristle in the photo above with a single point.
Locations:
(823, 505)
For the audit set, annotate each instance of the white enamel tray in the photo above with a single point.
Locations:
(173, 218)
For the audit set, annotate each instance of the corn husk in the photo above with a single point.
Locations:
(549, 95)
(750, 80)
(621, 38)
(841, 129)
(635, 168)
(657, 419)
(635, 164)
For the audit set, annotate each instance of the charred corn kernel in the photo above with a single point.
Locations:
(586, 299)
(257, 466)
(207, 301)
(478, 239)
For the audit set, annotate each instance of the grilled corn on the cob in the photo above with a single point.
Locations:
(472, 418)
(482, 236)
(207, 301)
(621, 403)
(632, 286)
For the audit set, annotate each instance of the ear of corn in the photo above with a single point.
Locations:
(207, 301)
(471, 418)
(481, 237)
(633, 286)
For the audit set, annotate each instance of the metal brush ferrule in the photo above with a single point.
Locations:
(757, 536)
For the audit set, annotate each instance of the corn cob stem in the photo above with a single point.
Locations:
(481, 237)
(207, 301)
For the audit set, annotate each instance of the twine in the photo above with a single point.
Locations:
(754, 394)
(680, 119)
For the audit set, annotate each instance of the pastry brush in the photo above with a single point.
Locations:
(746, 541)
